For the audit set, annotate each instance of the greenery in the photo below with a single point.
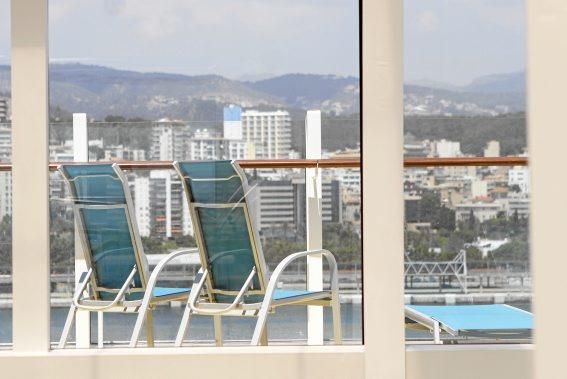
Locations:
(429, 209)
(134, 133)
(5, 245)
(341, 239)
(472, 132)
(421, 246)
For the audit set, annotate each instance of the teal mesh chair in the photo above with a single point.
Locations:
(117, 277)
(233, 280)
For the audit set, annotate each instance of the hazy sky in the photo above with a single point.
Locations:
(445, 40)
(455, 41)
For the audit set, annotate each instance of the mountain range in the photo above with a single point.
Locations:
(102, 91)
(489, 95)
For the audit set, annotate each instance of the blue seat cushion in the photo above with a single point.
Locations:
(165, 291)
(157, 292)
(288, 294)
(478, 317)
(278, 295)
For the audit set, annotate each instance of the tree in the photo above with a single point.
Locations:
(516, 250)
(472, 220)
(6, 244)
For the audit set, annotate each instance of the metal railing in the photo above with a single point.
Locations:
(351, 162)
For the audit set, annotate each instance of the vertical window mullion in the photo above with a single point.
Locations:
(30, 197)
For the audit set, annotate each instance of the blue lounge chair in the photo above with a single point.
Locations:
(233, 279)
(496, 321)
(117, 279)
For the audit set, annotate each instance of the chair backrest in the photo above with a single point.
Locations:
(107, 228)
(228, 243)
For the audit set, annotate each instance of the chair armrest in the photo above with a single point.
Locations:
(292, 257)
(161, 265)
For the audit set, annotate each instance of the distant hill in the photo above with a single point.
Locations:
(490, 95)
(499, 83)
(101, 91)
(332, 93)
(496, 83)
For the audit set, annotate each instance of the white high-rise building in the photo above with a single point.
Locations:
(5, 143)
(270, 132)
(205, 145)
(169, 213)
(170, 140)
(4, 110)
(141, 191)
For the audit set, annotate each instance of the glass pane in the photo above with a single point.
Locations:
(5, 181)
(342, 236)
(147, 97)
(467, 264)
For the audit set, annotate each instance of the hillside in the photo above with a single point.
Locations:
(335, 94)
(101, 91)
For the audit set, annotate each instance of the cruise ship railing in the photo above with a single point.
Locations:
(351, 162)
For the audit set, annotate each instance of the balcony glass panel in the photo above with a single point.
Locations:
(276, 200)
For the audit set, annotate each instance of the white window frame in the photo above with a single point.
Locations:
(383, 354)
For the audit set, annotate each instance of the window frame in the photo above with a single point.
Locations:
(383, 354)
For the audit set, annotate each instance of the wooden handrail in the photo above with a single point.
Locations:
(354, 162)
(465, 161)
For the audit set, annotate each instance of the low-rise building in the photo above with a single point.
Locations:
(481, 211)
(121, 153)
(519, 177)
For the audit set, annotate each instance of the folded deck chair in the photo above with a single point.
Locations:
(117, 278)
(233, 277)
(496, 321)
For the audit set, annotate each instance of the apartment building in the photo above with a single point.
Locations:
(520, 177)
(279, 205)
(481, 211)
(140, 190)
(207, 145)
(170, 140)
(123, 153)
(4, 110)
(270, 132)
(169, 212)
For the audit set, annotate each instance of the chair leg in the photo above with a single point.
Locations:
(142, 314)
(264, 336)
(150, 327)
(217, 320)
(261, 327)
(337, 328)
(183, 327)
(67, 327)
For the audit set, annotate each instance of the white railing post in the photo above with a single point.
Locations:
(314, 225)
(81, 154)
